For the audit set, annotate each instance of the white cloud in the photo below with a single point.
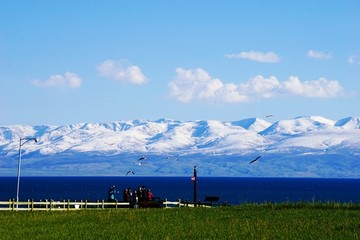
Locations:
(353, 60)
(68, 80)
(260, 86)
(322, 88)
(198, 85)
(269, 57)
(318, 55)
(122, 72)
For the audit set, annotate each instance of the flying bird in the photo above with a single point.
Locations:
(252, 161)
(172, 158)
(142, 158)
(269, 116)
(139, 163)
(128, 172)
(110, 144)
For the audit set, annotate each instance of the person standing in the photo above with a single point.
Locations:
(112, 194)
(149, 195)
(135, 199)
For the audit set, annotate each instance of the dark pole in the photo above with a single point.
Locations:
(26, 139)
(195, 186)
(18, 175)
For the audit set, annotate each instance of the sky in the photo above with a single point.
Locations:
(64, 62)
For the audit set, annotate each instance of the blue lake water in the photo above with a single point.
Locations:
(233, 190)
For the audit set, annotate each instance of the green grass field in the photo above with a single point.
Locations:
(250, 221)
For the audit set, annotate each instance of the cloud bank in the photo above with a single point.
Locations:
(121, 71)
(318, 55)
(269, 57)
(68, 80)
(197, 85)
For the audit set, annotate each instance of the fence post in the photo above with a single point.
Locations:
(68, 205)
(32, 204)
(86, 204)
(116, 204)
(102, 205)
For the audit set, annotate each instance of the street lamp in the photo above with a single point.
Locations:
(22, 142)
(194, 178)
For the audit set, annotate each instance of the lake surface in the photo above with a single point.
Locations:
(233, 190)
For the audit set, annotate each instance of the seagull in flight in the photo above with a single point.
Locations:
(139, 163)
(252, 161)
(128, 172)
(172, 158)
(142, 158)
(110, 144)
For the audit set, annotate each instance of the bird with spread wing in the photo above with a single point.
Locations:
(128, 172)
(254, 160)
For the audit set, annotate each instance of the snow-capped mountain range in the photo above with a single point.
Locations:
(305, 146)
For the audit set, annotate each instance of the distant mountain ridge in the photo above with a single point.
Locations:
(349, 123)
(253, 124)
(300, 136)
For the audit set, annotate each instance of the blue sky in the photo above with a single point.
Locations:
(64, 62)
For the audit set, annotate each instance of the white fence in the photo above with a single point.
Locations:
(59, 205)
(12, 205)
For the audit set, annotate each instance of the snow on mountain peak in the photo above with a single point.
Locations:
(320, 120)
(349, 123)
(215, 145)
(253, 124)
(299, 125)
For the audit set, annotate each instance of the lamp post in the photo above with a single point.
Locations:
(22, 142)
(195, 186)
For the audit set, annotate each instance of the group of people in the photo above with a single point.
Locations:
(134, 197)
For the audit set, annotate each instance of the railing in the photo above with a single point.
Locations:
(12, 205)
(169, 204)
(59, 205)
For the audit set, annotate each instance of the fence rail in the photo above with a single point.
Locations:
(170, 204)
(12, 205)
(58, 205)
